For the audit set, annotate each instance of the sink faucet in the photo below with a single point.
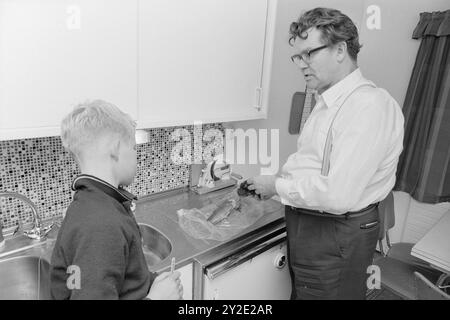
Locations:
(37, 232)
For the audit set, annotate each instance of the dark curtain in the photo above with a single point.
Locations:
(424, 166)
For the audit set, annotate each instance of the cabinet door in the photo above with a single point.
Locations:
(200, 60)
(264, 277)
(57, 53)
(187, 281)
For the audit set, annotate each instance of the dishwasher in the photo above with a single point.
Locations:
(252, 268)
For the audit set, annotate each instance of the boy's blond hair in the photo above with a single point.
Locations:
(92, 120)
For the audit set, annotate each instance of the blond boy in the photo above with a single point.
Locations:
(99, 241)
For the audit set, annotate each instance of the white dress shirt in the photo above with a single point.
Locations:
(367, 142)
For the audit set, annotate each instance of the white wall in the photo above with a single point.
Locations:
(387, 58)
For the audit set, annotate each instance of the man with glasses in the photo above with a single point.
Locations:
(345, 163)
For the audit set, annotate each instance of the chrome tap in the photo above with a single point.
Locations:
(37, 232)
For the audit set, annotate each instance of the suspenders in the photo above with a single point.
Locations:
(329, 142)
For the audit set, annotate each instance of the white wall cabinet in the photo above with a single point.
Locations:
(165, 62)
(57, 53)
(203, 60)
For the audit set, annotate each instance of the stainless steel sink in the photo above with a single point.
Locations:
(24, 278)
(28, 276)
(156, 246)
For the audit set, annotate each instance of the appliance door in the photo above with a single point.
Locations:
(258, 273)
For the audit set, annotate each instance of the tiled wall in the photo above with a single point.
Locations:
(42, 170)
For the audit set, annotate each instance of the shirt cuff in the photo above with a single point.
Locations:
(282, 187)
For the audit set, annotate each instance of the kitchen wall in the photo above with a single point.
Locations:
(42, 170)
(387, 58)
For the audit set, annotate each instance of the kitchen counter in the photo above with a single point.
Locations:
(160, 211)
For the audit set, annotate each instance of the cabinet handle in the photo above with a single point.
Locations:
(237, 259)
(258, 99)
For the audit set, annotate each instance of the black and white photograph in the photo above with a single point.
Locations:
(231, 156)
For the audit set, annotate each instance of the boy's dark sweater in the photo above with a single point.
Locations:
(100, 236)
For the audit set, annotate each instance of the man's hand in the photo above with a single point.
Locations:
(263, 185)
(166, 286)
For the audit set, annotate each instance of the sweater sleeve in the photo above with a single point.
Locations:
(101, 252)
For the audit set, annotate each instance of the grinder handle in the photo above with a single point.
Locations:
(236, 176)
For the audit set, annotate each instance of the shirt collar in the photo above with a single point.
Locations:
(120, 194)
(332, 94)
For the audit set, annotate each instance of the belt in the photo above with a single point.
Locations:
(347, 215)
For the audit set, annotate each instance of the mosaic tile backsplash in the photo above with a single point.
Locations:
(42, 170)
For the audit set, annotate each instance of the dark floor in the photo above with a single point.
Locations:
(382, 294)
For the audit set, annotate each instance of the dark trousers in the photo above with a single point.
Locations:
(329, 257)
